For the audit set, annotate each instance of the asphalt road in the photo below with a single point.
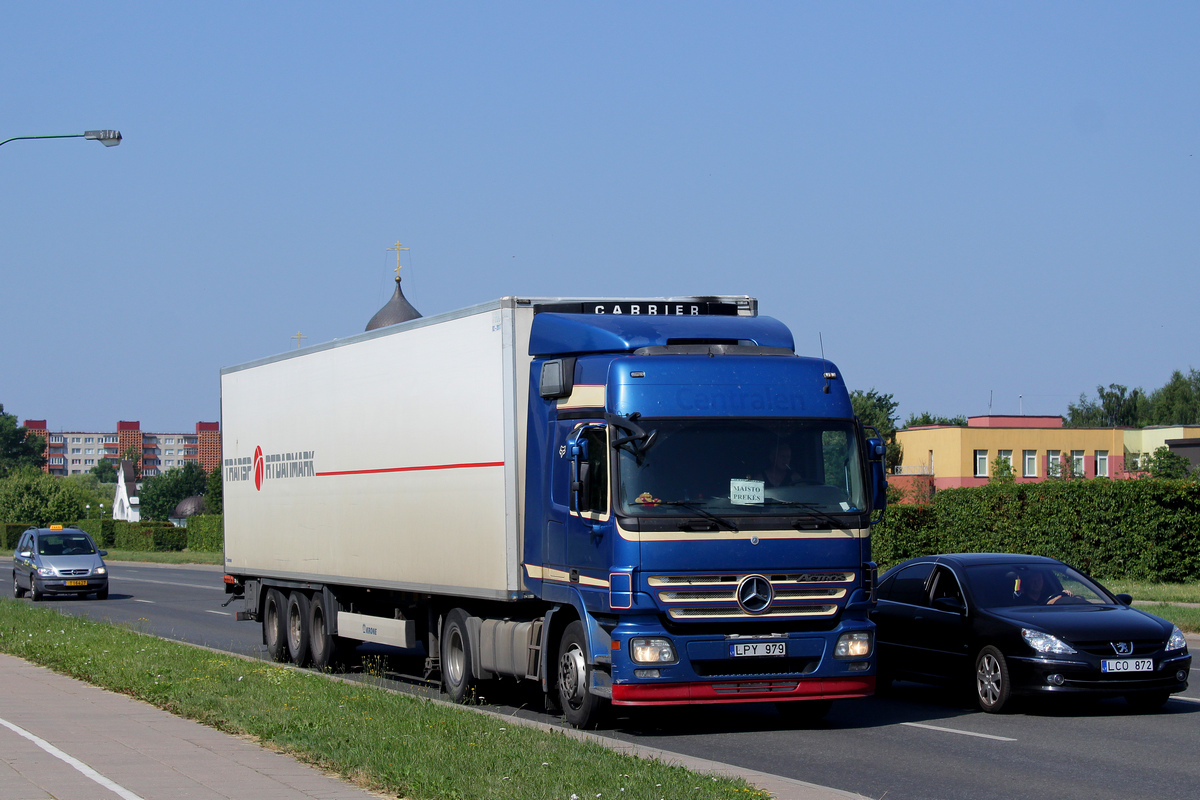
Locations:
(918, 742)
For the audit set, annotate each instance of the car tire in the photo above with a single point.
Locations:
(579, 706)
(804, 713)
(18, 592)
(35, 594)
(1146, 702)
(993, 689)
(102, 594)
(298, 634)
(458, 680)
(274, 622)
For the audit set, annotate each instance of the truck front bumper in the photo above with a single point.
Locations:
(756, 691)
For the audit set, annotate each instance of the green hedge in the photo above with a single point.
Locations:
(148, 536)
(1131, 529)
(12, 533)
(101, 530)
(206, 533)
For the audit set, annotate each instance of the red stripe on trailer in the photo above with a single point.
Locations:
(411, 469)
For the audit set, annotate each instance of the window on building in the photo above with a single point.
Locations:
(1077, 467)
(88, 440)
(1101, 463)
(75, 440)
(75, 461)
(89, 461)
(1006, 457)
(110, 439)
(1054, 463)
(56, 459)
(170, 452)
(89, 450)
(170, 462)
(74, 450)
(168, 441)
(190, 440)
(1030, 468)
(56, 438)
(981, 463)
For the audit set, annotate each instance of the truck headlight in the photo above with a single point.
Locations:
(652, 651)
(856, 644)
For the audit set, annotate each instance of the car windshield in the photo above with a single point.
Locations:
(1007, 585)
(65, 544)
(741, 467)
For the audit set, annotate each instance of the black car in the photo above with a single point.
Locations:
(1015, 624)
(58, 560)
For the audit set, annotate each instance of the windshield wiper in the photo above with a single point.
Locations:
(811, 508)
(702, 512)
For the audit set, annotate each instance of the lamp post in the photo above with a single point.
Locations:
(89, 510)
(106, 138)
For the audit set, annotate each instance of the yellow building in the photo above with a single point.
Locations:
(948, 456)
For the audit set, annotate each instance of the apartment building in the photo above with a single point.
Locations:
(76, 452)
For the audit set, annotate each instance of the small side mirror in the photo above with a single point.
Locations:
(25, 554)
(102, 553)
(1124, 599)
(952, 604)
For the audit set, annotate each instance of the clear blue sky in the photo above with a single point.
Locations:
(961, 198)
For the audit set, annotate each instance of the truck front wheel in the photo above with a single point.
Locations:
(579, 706)
(297, 628)
(457, 678)
(274, 624)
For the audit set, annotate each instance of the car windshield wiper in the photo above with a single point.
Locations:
(701, 511)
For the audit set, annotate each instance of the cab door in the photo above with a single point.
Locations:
(23, 567)
(588, 496)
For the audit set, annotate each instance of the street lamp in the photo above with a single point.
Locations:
(106, 138)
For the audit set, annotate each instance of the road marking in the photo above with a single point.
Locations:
(87, 771)
(963, 733)
(151, 602)
(222, 613)
(218, 588)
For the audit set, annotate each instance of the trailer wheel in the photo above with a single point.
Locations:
(329, 652)
(579, 706)
(457, 678)
(274, 624)
(297, 628)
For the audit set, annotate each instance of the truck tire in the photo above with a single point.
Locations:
(458, 680)
(579, 706)
(274, 622)
(297, 628)
(329, 652)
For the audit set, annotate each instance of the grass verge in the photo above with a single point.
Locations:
(1158, 592)
(1187, 618)
(169, 557)
(389, 742)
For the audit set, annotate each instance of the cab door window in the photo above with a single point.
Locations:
(590, 479)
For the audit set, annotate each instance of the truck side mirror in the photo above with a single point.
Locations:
(581, 478)
(876, 452)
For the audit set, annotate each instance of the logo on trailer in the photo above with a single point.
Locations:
(754, 594)
(259, 468)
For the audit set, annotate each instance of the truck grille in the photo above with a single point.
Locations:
(697, 598)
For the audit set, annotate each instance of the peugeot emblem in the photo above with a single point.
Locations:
(1122, 648)
(754, 594)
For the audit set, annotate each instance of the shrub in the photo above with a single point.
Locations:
(206, 533)
(148, 536)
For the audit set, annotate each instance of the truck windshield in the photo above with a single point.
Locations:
(742, 467)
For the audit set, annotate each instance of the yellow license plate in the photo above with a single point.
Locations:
(76, 583)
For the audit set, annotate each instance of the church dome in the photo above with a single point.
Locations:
(397, 310)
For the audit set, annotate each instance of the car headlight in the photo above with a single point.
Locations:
(46, 572)
(652, 651)
(856, 644)
(99, 571)
(1045, 643)
(1177, 640)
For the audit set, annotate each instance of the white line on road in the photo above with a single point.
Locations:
(963, 733)
(222, 613)
(218, 588)
(151, 602)
(87, 771)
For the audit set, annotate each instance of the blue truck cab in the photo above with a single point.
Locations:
(698, 507)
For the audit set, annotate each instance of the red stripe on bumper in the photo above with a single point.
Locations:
(669, 694)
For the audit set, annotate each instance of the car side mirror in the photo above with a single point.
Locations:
(952, 604)
(1124, 599)
(102, 553)
(25, 554)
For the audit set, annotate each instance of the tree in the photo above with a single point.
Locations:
(1114, 407)
(17, 447)
(214, 499)
(105, 472)
(160, 494)
(926, 418)
(31, 496)
(1166, 464)
(878, 411)
(1178, 401)
(133, 455)
(1002, 471)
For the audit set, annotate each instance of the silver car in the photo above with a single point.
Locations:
(58, 560)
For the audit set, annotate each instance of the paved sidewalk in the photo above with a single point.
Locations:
(112, 746)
